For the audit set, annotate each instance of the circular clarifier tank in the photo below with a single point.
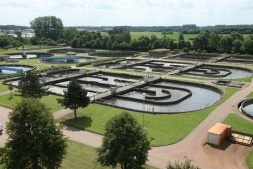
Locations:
(246, 107)
(66, 59)
(168, 97)
(8, 69)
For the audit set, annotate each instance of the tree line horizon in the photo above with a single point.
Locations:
(50, 31)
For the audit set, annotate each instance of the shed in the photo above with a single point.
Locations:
(218, 133)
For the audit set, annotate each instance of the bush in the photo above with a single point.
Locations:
(186, 165)
(186, 50)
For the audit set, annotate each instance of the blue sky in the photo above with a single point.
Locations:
(129, 12)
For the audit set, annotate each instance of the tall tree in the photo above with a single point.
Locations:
(48, 27)
(236, 35)
(68, 32)
(201, 41)
(181, 37)
(247, 45)
(127, 36)
(10, 87)
(124, 142)
(35, 141)
(213, 42)
(30, 86)
(237, 44)
(226, 44)
(74, 97)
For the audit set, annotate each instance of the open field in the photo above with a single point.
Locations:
(165, 129)
(136, 35)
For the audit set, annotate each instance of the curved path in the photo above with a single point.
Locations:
(4, 112)
(228, 156)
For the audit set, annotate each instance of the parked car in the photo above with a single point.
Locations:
(1, 128)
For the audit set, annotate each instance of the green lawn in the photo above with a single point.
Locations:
(83, 156)
(3, 87)
(250, 95)
(165, 129)
(37, 63)
(249, 160)
(239, 124)
(49, 100)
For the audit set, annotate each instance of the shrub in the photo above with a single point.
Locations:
(183, 165)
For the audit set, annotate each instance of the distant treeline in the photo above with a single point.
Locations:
(120, 39)
(185, 29)
(12, 27)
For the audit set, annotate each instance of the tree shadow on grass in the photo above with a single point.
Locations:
(80, 123)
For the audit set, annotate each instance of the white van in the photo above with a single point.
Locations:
(1, 128)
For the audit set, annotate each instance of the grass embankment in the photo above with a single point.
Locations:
(239, 124)
(242, 125)
(165, 129)
(50, 101)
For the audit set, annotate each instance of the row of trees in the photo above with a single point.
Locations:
(49, 31)
(233, 43)
(205, 42)
(12, 42)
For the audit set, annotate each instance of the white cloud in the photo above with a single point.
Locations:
(128, 12)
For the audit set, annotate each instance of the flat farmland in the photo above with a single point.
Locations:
(136, 35)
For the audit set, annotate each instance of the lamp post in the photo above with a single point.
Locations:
(144, 94)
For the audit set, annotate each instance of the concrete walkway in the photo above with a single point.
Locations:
(4, 112)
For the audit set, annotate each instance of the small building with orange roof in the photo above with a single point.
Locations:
(218, 133)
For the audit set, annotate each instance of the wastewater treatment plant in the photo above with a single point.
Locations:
(149, 93)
